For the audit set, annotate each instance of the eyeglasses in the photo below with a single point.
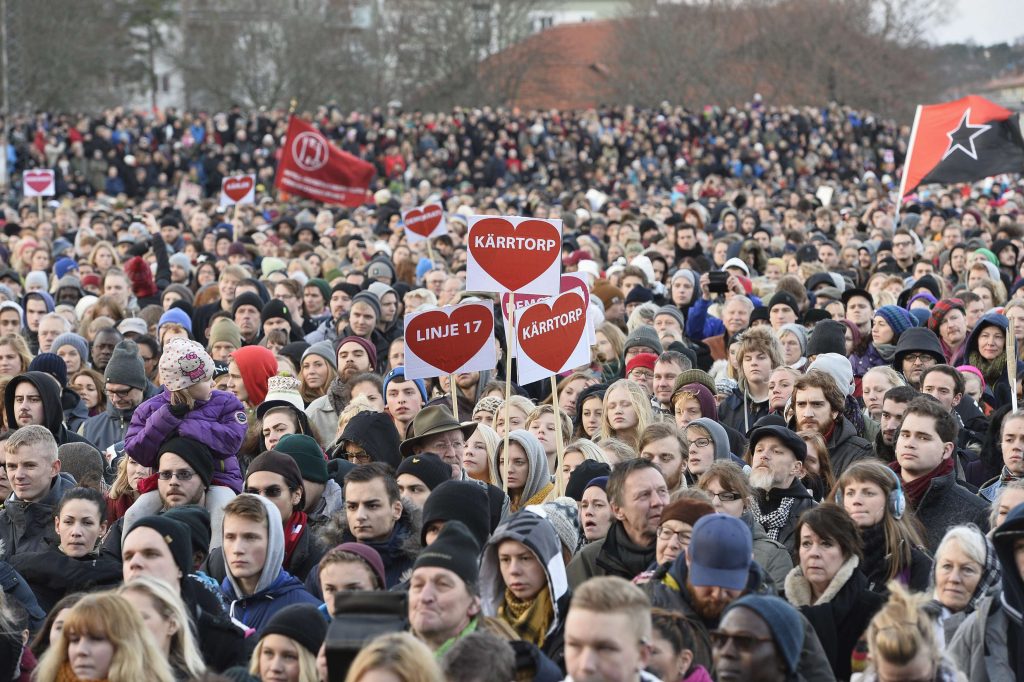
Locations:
(914, 358)
(642, 373)
(271, 491)
(180, 474)
(724, 496)
(123, 393)
(665, 534)
(745, 643)
(701, 442)
(359, 456)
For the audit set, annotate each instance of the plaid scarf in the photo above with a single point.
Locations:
(530, 618)
(774, 521)
(1006, 477)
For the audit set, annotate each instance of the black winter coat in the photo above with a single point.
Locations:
(52, 574)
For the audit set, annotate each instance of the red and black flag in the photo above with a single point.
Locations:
(962, 141)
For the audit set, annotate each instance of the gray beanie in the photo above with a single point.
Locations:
(378, 289)
(674, 312)
(182, 261)
(644, 335)
(369, 299)
(83, 462)
(565, 517)
(797, 330)
(75, 341)
(324, 349)
(125, 366)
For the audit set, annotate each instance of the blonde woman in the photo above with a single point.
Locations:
(397, 657)
(579, 451)
(14, 355)
(541, 423)
(103, 638)
(529, 481)
(103, 257)
(125, 488)
(164, 615)
(627, 412)
(610, 347)
(478, 457)
(288, 645)
(519, 409)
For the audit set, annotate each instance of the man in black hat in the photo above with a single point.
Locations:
(776, 455)
(277, 316)
(918, 349)
(246, 313)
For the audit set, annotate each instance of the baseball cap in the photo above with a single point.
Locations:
(720, 552)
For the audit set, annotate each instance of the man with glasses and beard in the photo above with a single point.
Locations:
(776, 456)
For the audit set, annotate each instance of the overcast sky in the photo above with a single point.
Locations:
(986, 22)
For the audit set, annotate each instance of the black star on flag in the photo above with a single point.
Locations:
(962, 141)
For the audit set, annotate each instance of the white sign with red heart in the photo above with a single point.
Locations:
(238, 189)
(40, 182)
(424, 222)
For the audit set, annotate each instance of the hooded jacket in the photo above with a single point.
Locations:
(219, 423)
(53, 412)
(31, 337)
(75, 410)
(375, 433)
(740, 412)
(1000, 386)
(531, 528)
(980, 646)
(107, 427)
(276, 587)
(918, 340)
(538, 483)
(28, 526)
(721, 441)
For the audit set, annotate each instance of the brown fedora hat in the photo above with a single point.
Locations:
(431, 421)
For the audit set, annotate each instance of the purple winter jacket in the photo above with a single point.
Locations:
(219, 423)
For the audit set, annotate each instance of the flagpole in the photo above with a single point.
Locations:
(906, 163)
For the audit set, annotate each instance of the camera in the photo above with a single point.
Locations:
(717, 283)
(359, 617)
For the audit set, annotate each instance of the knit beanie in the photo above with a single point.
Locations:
(601, 482)
(175, 534)
(225, 331)
(943, 308)
(192, 451)
(897, 318)
(282, 388)
(256, 364)
(782, 619)
(644, 360)
(125, 366)
(973, 370)
(828, 336)
(248, 298)
(182, 290)
(783, 298)
(694, 376)
(197, 519)
(799, 331)
(75, 341)
(175, 316)
(455, 549)
(464, 501)
(686, 510)
(705, 398)
(367, 554)
(307, 455)
(371, 350)
(643, 335)
(283, 465)
(325, 350)
(369, 299)
(379, 289)
(52, 364)
(582, 475)
(427, 467)
(36, 280)
(673, 312)
(838, 367)
(564, 515)
(608, 293)
(398, 374)
(302, 623)
(488, 405)
(639, 294)
(322, 285)
(275, 309)
(184, 363)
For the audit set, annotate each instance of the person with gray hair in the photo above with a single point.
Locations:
(26, 521)
(966, 570)
(52, 325)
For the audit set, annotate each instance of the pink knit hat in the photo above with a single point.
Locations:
(975, 371)
(183, 364)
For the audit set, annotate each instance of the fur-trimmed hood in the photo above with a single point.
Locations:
(798, 589)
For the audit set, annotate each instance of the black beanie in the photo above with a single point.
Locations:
(759, 313)
(275, 309)
(427, 467)
(248, 298)
(465, 501)
(455, 549)
(828, 336)
(195, 453)
(784, 298)
(283, 465)
(197, 520)
(175, 534)
(587, 471)
(300, 622)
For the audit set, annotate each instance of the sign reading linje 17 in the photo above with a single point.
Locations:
(450, 340)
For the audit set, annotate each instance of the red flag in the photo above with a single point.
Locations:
(962, 141)
(314, 168)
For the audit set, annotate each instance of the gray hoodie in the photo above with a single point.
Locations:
(718, 436)
(539, 477)
(275, 550)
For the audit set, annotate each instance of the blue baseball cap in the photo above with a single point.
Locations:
(721, 550)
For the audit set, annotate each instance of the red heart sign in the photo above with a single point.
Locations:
(238, 188)
(449, 342)
(424, 220)
(549, 333)
(514, 256)
(566, 283)
(38, 180)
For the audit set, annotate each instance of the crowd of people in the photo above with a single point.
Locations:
(795, 453)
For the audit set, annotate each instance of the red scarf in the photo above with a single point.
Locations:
(293, 530)
(916, 489)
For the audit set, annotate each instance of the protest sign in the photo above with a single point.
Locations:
(40, 182)
(450, 340)
(424, 222)
(511, 254)
(551, 337)
(239, 189)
